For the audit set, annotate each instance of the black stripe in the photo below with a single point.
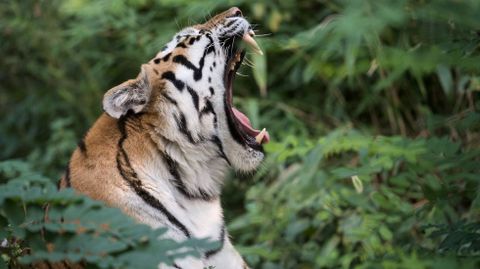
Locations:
(197, 72)
(176, 266)
(82, 146)
(210, 46)
(212, 91)
(180, 185)
(207, 109)
(170, 99)
(230, 23)
(130, 176)
(166, 57)
(194, 95)
(181, 45)
(169, 75)
(182, 127)
(68, 182)
(215, 139)
(173, 166)
(212, 252)
(233, 30)
(221, 152)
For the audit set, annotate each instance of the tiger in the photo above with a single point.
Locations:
(166, 140)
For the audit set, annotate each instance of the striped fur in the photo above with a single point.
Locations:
(162, 149)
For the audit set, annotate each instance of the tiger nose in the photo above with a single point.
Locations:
(235, 12)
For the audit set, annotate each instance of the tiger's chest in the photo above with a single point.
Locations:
(206, 219)
(168, 207)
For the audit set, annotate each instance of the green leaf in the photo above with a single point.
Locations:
(445, 77)
(14, 212)
(260, 70)
(357, 183)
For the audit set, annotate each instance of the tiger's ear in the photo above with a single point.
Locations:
(131, 95)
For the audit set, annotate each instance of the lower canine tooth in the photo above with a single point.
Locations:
(260, 136)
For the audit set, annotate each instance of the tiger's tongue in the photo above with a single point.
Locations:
(247, 126)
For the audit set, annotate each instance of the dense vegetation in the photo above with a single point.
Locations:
(371, 105)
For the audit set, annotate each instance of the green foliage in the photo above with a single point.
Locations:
(41, 223)
(371, 105)
(350, 200)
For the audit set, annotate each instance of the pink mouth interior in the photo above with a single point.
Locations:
(247, 126)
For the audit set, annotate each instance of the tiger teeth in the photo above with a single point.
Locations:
(260, 136)
(247, 38)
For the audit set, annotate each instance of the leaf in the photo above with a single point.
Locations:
(445, 77)
(14, 212)
(275, 19)
(385, 233)
(260, 70)
(357, 183)
(296, 227)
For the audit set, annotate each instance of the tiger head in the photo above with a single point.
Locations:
(188, 88)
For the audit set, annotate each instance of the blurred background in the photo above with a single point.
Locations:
(372, 107)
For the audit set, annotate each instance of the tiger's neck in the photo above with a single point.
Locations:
(196, 169)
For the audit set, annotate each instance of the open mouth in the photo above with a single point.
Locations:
(238, 123)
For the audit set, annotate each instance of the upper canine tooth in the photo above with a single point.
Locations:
(252, 43)
(260, 136)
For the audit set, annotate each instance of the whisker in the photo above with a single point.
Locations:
(248, 64)
(192, 21)
(231, 47)
(241, 75)
(178, 25)
(263, 35)
(251, 53)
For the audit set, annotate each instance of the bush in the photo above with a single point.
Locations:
(40, 223)
(350, 199)
(372, 108)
